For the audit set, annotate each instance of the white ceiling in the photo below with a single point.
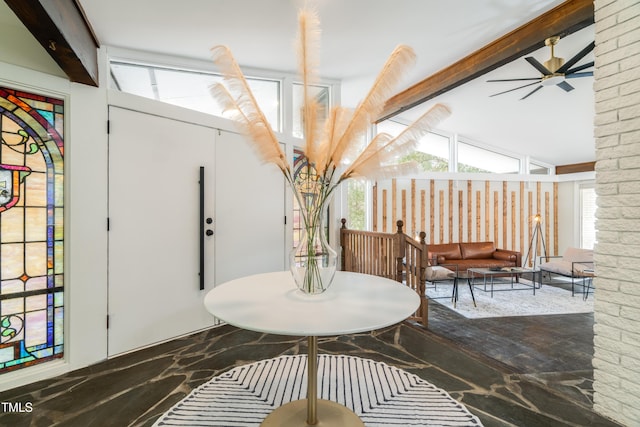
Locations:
(357, 36)
(551, 125)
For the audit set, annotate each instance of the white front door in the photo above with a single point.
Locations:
(154, 228)
(250, 206)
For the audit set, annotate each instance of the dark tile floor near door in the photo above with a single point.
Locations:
(518, 371)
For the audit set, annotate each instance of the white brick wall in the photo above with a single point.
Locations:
(617, 130)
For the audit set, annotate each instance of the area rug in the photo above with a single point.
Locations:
(547, 300)
(379, 394)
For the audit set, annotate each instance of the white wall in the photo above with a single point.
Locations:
(19, 47)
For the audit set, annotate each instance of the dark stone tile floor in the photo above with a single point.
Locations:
(516, 371)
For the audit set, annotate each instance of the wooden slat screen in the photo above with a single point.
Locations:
(498, 211)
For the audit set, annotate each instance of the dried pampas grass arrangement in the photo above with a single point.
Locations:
(335, 149)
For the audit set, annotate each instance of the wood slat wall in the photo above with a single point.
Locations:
(453, 211)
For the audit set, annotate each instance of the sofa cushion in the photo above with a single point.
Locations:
(477, 250)
(438, 273)
(578, 255)
(575, 262)
(446, 250)
(567, 268)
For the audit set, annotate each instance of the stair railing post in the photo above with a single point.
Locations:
(401, 248)
(424, 262)
(343, 239)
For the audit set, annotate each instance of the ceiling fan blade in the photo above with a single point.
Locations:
(531, 93)
(565, 86)
(576, 58)
(514, 80)
(537, 65)
(515, 88)
(574, 75)
(579, 68)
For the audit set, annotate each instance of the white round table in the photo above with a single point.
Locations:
(272, 303)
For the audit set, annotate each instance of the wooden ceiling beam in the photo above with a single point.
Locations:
(575, 168)
(567, 18)
(62, 29)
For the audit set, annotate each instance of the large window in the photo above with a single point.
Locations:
(432, 152)
(436, 152)
(320, 93)
(475, 159)
(356, 204)
(587, 216)
(538, 169)
(190, 89)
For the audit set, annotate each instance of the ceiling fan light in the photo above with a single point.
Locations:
(552, 79)
(555, 71)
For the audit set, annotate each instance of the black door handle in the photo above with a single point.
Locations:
(201, 237)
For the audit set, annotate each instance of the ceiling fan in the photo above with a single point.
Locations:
(554, 71)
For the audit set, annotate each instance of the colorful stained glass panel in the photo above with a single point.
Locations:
(36, 283)
(31, 229)
(12, 286)
(12, 225)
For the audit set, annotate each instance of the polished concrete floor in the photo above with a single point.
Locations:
(516, 371)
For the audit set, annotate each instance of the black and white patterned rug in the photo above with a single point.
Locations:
(379, 394)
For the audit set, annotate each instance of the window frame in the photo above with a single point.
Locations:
(286, 80)
(581, 187)
(492, 150)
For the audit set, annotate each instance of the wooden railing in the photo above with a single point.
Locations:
(394, 256)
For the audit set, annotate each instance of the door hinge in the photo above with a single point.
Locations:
(108, 127)
(285, 220)
(107, 321)
(108, 224)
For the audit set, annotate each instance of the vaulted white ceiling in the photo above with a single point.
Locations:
(552, 125)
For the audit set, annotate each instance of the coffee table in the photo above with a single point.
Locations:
(461, 275)
(488, 275)
(272, 303)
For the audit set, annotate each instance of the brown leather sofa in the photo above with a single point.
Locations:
(473, 255)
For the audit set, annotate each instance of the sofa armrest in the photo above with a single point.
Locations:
(504, 256)
(583, 268)
(508, 255)
(569, 269)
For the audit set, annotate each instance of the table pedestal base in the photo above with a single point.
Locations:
(329, 414)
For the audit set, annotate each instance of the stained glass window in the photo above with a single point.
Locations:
(299, 167)
(31, 229)
(301, 178)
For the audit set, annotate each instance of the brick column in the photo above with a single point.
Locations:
(617, 253)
